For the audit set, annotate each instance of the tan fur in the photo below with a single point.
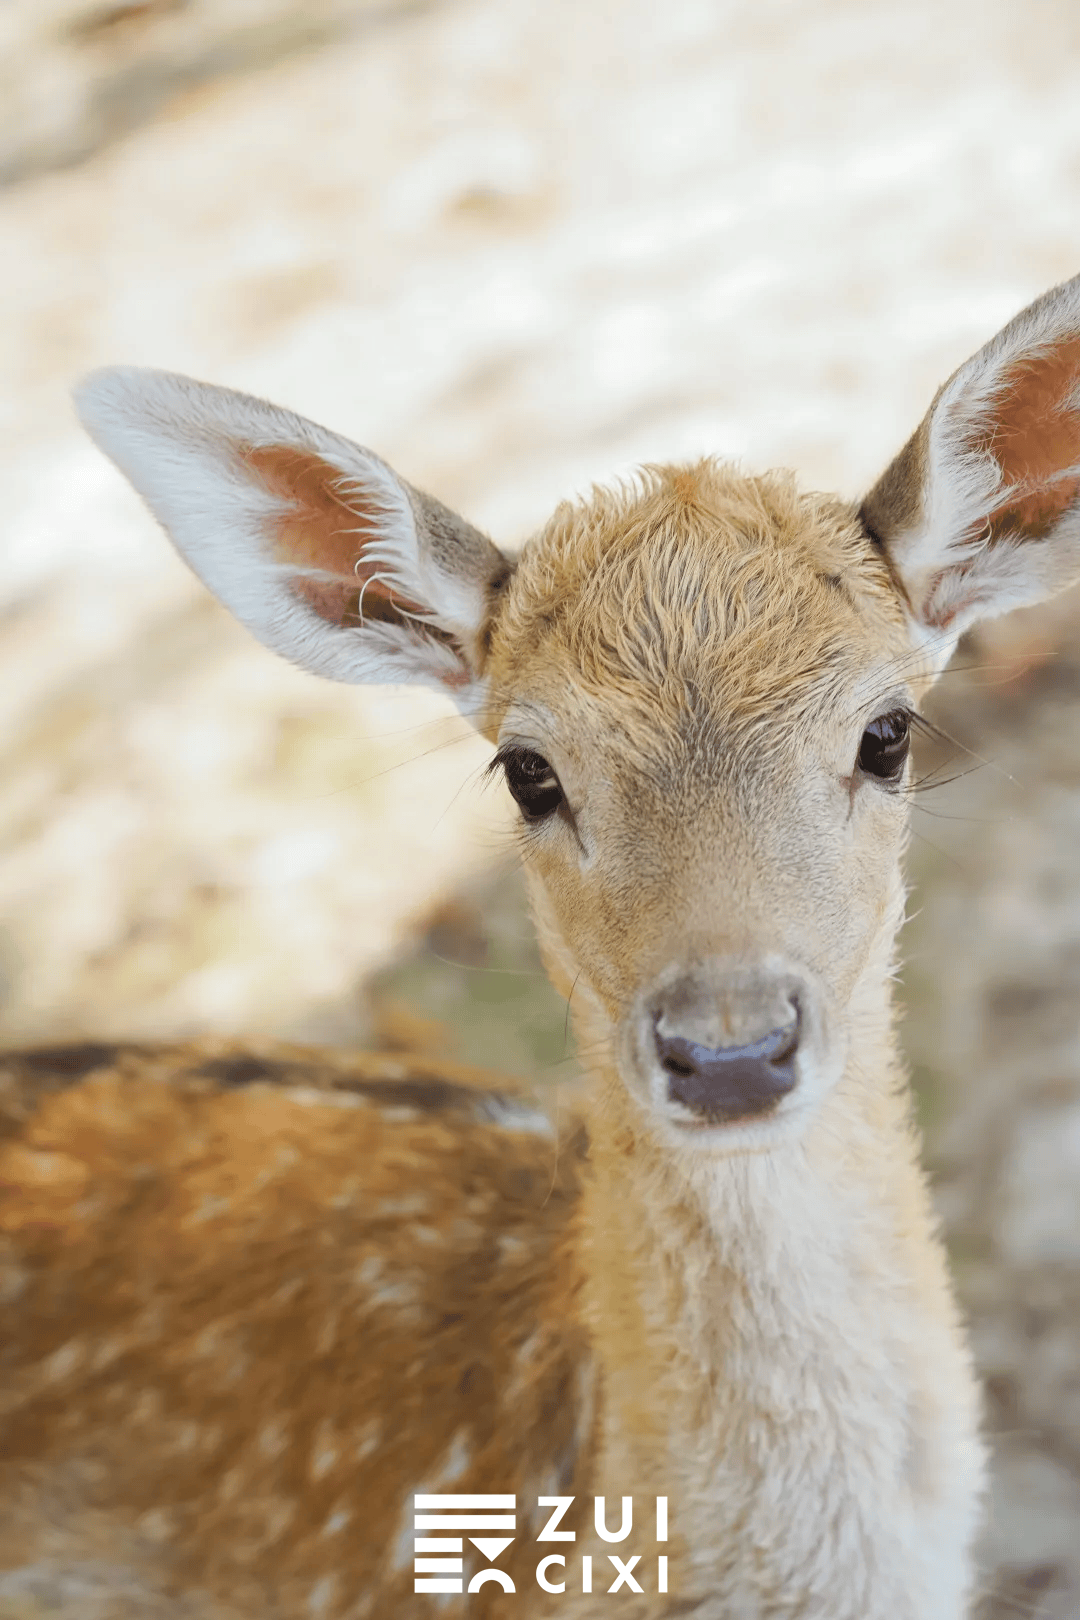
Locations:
(254, 1298)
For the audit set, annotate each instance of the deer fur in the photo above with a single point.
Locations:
(254, 1298)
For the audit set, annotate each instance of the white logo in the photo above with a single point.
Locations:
(440, 1557)
(445, 1571)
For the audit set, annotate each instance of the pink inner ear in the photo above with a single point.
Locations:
(320, 529)
(1034, 434)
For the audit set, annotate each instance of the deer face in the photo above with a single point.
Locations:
(699, 690)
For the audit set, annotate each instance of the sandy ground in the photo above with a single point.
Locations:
(515, 248)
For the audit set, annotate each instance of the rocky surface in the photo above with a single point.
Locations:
(516, 248)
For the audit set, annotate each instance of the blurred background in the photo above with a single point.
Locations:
(516, 247)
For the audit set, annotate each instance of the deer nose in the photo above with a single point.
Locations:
(723, 1083)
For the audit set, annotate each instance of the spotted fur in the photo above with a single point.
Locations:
(251, 1297)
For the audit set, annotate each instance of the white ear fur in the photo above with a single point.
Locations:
(980, 512)
(286, 522)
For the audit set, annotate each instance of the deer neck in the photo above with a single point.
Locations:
(719, 1285)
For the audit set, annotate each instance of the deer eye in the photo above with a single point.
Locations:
(884, 746)
(532, 782)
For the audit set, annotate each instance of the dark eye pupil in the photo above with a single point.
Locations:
(884, 746)
(533, 783)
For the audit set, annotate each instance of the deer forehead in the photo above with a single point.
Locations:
(670, 622)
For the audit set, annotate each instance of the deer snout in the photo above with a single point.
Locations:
(730, 1082)
(727, 1051)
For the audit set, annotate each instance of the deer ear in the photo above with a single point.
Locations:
(980, 511)
(311, 541)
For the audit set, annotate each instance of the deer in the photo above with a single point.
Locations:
(285, 1328)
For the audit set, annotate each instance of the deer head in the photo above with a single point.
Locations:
(699, 687)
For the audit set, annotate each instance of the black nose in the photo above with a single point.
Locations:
(729, 1082)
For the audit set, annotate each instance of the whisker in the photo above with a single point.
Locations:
(411, 759)
(566, 1021)
(944, 853)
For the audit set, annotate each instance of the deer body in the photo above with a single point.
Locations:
(255, 1301)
